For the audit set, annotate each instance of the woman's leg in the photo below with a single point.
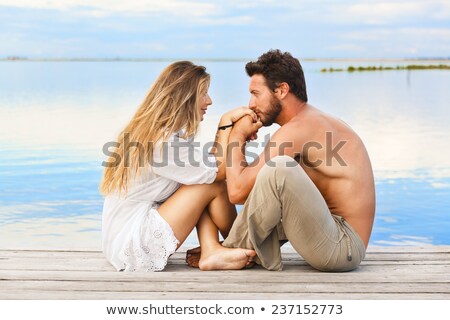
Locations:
(206, 206)
(222, 211)
(183, 209)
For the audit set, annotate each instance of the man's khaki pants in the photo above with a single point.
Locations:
(285, 204)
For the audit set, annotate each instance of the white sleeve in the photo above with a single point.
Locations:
(184, 162)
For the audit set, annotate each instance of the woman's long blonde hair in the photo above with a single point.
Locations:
(170, 105)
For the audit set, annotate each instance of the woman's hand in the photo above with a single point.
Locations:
(246, 128)
(234, 115)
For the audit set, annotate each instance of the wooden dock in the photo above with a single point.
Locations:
(386, 273)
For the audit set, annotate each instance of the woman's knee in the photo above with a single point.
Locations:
(215, 189)
(218, 187)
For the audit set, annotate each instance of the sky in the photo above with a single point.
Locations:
(174, 29)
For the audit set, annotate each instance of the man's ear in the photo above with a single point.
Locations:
(283, 90)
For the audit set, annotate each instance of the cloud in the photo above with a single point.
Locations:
(239, 20)
(383, 33)
(369, 12)
(399, 41)
(347, 47)
(438, 33)
(400, 35)
(316, 28)
(106, 7)
(384, 12)
(367, 35)
(195, 12)
(366, 11)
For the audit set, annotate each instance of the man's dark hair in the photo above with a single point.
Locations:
(278, 67)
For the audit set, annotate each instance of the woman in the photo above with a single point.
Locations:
(161, 187)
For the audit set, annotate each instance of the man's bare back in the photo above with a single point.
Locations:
(336, 160)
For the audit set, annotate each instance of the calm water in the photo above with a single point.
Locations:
(55, 117)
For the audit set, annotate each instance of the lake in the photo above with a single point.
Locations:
(55, 117)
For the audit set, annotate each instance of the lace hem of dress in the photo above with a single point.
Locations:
(150, 247)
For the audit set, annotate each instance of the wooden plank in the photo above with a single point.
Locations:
(102, 261)
(100, 295)
(91, 264)
(88, 265)
(400, 249)
(284, 249)
(180, 257)
(219, 286)
(371, 250)
(398, 276)
(290, 266)
(259, 278)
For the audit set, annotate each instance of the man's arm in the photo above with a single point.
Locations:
(241, 176)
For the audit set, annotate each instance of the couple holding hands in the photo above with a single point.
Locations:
(313, 184)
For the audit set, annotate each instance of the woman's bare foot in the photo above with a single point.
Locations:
(221, 258)
(193, 256)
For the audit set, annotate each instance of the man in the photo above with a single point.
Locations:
(312, 185)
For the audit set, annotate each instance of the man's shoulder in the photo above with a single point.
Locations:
(296, 128)
(289, 129)
(311, 127)
(290, 132)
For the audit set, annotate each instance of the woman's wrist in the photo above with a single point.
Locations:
(225, 127)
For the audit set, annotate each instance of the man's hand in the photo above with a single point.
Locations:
(246, 128)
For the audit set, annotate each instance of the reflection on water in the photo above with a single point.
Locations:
(56, 116)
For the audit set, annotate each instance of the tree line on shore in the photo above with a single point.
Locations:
(381, 68)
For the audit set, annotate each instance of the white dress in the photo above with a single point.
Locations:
(134, 236)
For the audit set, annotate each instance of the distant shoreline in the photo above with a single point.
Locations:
(86, 59)
(382, 68)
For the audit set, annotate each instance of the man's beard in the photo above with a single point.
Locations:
(271, 115)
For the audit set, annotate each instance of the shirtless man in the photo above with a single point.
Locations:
(313, 184)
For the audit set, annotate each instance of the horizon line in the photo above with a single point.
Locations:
(220, 59)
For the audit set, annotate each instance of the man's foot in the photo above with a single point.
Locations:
(222, 258)
(193, 257)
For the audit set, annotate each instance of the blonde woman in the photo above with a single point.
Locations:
(158, 185)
